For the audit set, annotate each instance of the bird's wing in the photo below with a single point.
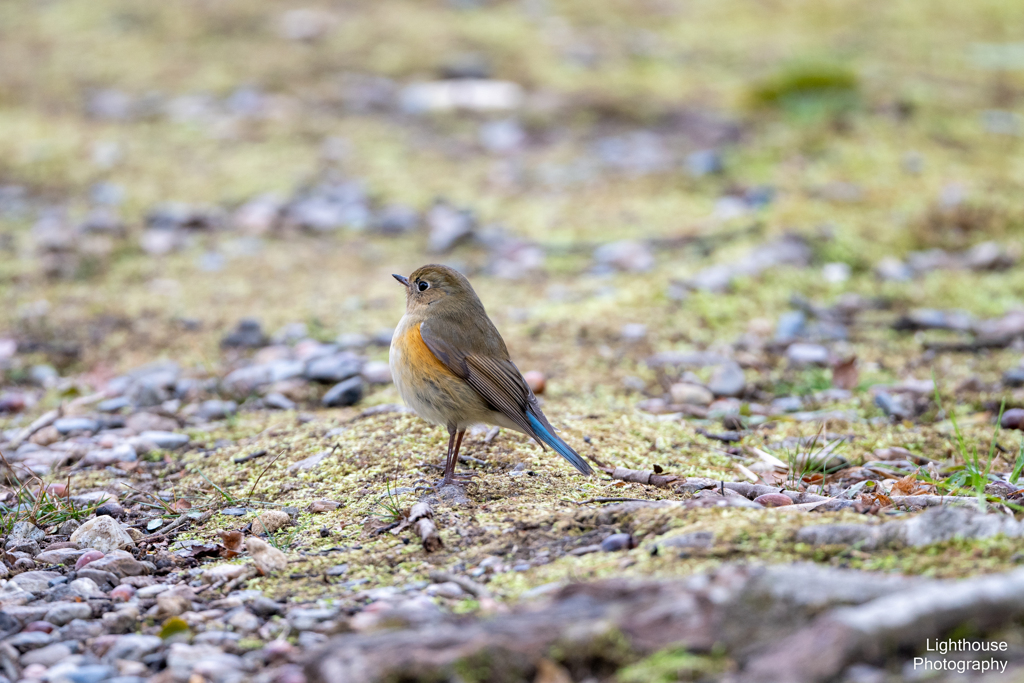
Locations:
(497, 380)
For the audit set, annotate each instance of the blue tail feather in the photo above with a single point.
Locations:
(545, 435)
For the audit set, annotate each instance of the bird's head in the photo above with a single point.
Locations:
(436, 285)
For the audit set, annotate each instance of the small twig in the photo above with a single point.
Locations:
(421, 518)
(256, 483)
(251, 456)
(221, 491)
(44, 420)
(640, 476)
(611, 500)
(167, 529)
(235, 582)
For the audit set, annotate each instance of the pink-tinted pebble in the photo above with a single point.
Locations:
(122, 593)
(59, 490)
(774, 500)
(41, 626)
(89, 556)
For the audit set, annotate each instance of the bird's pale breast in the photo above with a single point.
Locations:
(426, 385)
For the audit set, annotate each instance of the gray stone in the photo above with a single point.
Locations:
(165, 440)
(34, 581)
(120, 563)
(247, 334)
(60, 556)
(26, 531)
(103, 534)
(67, 425)
(344, 394)
(333, 369)
(688, 393)
(790, 326)
(304, 619)
(696, 539)
(112, 405)
(63, 612)
(132, 647)
(396, 219)
(448, 227)
(310, 463)
(727, 380)
(893, 406)
(626, 255)
(803, 355)
(278, 401)
(217, 410)
(29, 640)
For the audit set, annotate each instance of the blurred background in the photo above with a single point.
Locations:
(619, 179)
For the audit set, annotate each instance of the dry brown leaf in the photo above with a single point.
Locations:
(906, 485)
(845, 374)
(231, 544)
(181, 505)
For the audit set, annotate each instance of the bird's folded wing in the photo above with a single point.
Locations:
(497, 380)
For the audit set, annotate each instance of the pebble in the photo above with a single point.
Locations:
(103, 534)
(470, 94)
(248, 334)
(121, 564)
(68, 425)
(46, 656)
(310, 463)
(110, 509)
(727, 380)
(617, 542)
(165, 440)
(133, 647)
(377, 372)
(896, 406)
(216, 410)
(34, 581)
(688, 393)
(333, 369)
(1014, 377)
(535, 380)
(63, 612)
(122, 593)
(26, 531)
(803, 355)
(278, 401)
(773, 500)
(448, 589)
(448, 227)
(87, 557)
(626, 255)
(267, 558)
(790, 326)
(271, 520)
(1013, 419)
(222, 572)
(344, 394)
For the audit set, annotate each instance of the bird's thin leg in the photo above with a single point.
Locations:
(454, 444)
(449, 463)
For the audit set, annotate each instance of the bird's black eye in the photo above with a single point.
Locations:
(422, 286)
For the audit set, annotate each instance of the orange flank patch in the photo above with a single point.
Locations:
(416, 354)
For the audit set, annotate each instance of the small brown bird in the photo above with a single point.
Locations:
(451, 366)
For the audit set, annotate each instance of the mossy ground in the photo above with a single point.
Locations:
(918, 94)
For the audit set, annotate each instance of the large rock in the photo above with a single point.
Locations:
(103, 534)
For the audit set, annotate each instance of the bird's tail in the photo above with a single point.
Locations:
(545, 434)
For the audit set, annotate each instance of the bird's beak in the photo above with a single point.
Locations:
(401, 278)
